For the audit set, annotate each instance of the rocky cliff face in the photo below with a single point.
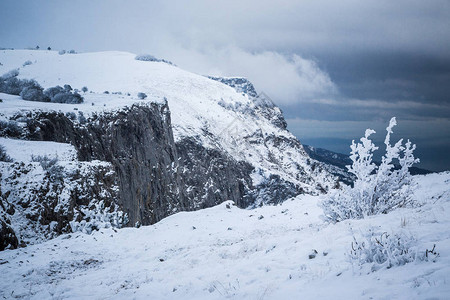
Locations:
(40, 201)
(211, 177)
(155, 176)
(137, 141)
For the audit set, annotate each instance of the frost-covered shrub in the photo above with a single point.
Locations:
(376, 189)
(84, 89)
(53, 91)
(388, 250)
(10, 84)
(148, 57)
(10, 128)
(68, 98)
(59, 94)
(45, 161)
(3, 156)
(98, 216)
(50, 165)
(71, 115)
(62, 52)
(27, 63)
(33, 92)
(10, 74)
(142, 96)
(81, 118)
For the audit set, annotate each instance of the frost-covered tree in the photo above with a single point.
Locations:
(376, 189)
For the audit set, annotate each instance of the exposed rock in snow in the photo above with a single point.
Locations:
(37, 204)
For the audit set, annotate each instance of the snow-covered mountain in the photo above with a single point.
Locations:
(192, 143)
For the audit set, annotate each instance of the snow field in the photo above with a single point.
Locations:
(22, 150)
(227, 252)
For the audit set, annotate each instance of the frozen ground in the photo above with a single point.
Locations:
(227, 252)
(22, 150)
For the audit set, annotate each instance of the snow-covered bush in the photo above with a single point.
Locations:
(98, 216)
(148, 57)
(388, 250)
(10, 84)
(67, 97)
(10, 128)
(3, 156)
(53, 91)
(376, 189)
(59, 94)
(27, 63)
(33, 92)
(50, 165)
(84, 89)
(11, 74)
(81, 118)
(71, 115)
(141, 95)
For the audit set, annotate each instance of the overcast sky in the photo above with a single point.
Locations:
(334, 67)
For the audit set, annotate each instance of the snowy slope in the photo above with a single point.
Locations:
(21, 150)
(200, 107)
(226, 252)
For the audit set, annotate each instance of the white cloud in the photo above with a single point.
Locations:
(286, 79)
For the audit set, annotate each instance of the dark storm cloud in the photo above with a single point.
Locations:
(391, 76)
(330, 61)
